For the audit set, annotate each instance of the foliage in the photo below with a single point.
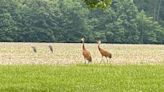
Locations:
(98, 3)
(154, 9)
(69, 20)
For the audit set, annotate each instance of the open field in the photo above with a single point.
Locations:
(82, 78)
(22, 53)
(133, 68)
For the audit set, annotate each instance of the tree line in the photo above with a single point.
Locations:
(124, 21)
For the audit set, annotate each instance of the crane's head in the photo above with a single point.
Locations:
(98, 41)
(33, 47)
(49, 46)
(82, 39)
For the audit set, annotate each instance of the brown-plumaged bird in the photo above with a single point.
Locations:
(51, 48)
(34, 49)
(104, 53)
(86, 53)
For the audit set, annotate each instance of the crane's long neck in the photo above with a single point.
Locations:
(83, 46)
(99, 46)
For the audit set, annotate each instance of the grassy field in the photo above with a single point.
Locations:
(133, 68)
(82, 78)
(21, 53)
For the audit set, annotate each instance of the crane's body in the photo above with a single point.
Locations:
(104, 53)
(86, 53)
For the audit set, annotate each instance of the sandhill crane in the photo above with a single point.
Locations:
(51, 48)
(103, 52)
(34, 49)
(86, 53)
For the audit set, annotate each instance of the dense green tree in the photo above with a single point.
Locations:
(69, 20)
(8, 26)
(149, 30)
(98, 3)
(152, 8)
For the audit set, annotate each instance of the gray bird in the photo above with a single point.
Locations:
(34, 49)
(51, 48)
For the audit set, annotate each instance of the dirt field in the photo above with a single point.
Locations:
(22, 53)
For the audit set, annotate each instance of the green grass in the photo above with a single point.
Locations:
(82, 78)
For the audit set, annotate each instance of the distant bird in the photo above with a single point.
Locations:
(86, 53)
(51, 48)
(103, 52)
(34, 49)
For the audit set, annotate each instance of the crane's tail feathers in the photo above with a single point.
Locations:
(110, 56)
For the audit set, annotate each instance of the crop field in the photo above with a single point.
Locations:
(82, 78)
(133, 68)
(22, 53)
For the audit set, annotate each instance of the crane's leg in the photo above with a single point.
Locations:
(89, 62)
(84, 61)
(101, 59)
(107, 59)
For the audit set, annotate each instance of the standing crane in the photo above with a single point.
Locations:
(34, 48)
(103, 52)
(51, 48)
(86, 53)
